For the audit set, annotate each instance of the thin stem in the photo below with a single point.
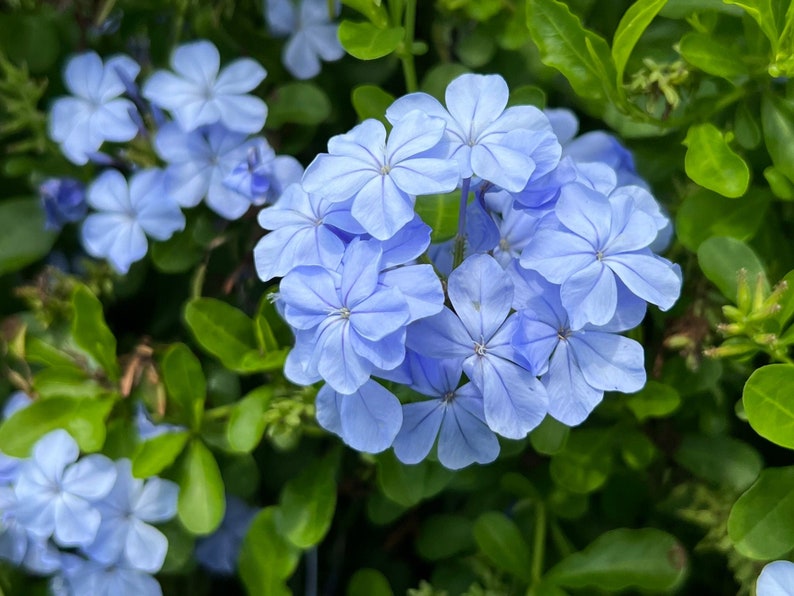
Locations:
(539, 542)
(407, 55)
(311, 572)
(460, 238)
(104, 13)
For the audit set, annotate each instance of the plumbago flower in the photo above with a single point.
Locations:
(776, 579)
(218, 552)
(551, 262)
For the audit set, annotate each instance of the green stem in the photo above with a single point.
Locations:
(460, 239)
(539, 543)
(407, 55)
(104, 13)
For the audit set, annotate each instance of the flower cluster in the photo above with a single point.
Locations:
(86, 521)
(206, 150)
(517, 317)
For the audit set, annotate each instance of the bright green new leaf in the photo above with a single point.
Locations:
(224, 331)
(710, 162)
(563, 44)
(185, 383)
(724, 461)
(761, 523)
(91, 333)
(202, 501)
(634, 22)
(365, 41)
(371, 9)
(440, 212)
(266, 558)
(156, 454)
(65, 381)
(721, 259)
(23, 238)
(368, 582)
(762, 13)
(777, 122)
(584, 465)
(443, 536)
(768, 399)
(297, 103)
(308, 503)
(500, 540)
(706, 53)
(38, 351)
(780, 185)
(247, 422)
(84, 418)
(370, 101)
(647, 559)
(655, 400)
(679, 9)
(408, 485)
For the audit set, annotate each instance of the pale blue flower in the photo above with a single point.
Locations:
(82, 577)
(776, 579)
(94, 113)
(63, 200)
(218, 552)
(264, 176)
(126, 214)
(200, 94)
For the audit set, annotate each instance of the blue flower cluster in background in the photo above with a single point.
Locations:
(85, 521)
(517, 317)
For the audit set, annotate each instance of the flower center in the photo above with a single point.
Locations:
(448, 397)
(480, 349)
(344, 312)
(600, 255)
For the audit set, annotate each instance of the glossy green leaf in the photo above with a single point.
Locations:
(584, 465)
(156, 454)
(247, 422)
(91, 333)
(710, 162)
(762, 13)
(23, 239)
(706, 53)
(777, 122)
(297, 103)
(704, 214)
(372, 9)
(747, 126)
(443, 536)
(440, 212)
(631, 26)
(368, 582)
(365, 41)
(724, 461)
(768, 404)
(185, 383)
(408, 485)
(721, 259)
(308, 503)
(38, 351)
(65, 381)
(761, 523)
(84, 419)
(500, 540)
(222, 330)
(202, 501)
(648, 559)
(370, 101)
(779, 184)
(549, 437)
(563, 44)
(266, 558)
(679, 9)
(527, 95)
(655, 400)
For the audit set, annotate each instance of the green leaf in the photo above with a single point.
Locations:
(761, 523)
(563, 44)
(721, 259)
(65, 381)
(247, 422)
(201, 500)
(443, 536)
(747, 126)
(177, 254)
(156, 454)
(440, 212)
(266, 558)
(762, 13)
(780, 185)
(23, 239)
(476, 48)
(647, 559)
(370, 101)
(724, 461)
(308, 502)
(221, 329)
(637, 450)
(710, 162)
(408, 485)
(679, 9)
(499, 539)
(365, 41)
(527, 95)
(777, 122)
(41, 352)
(630, 28)
(83, 418)
(185, 383)
(297, 103)
(91, 333)
(372, 9)
(768, 404)
(584, 465)
(368, 582)
(706, 53)
(437, 78)
(549, 437)
(655, 400)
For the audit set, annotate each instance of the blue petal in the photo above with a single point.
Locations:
(650, 277)
(482, 294)
(590, 296)
(776, 579)
(440, 336)
(464, 437)
(420, 287)
(421, 422)
(609, 362)
(571, 398)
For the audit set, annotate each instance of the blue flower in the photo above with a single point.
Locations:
(63, 200)
(94, 113)
(312, 35)
(147, 428)
(456, 417)
(218, 552)
(124, 534)
(263, 176)
(126, 214)
(383, 176)
(82, 576)
(20, 547)
(198, 94)
(480, 332)
(56, 494)
(199, 163)
(776, 579)
(503, 146)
